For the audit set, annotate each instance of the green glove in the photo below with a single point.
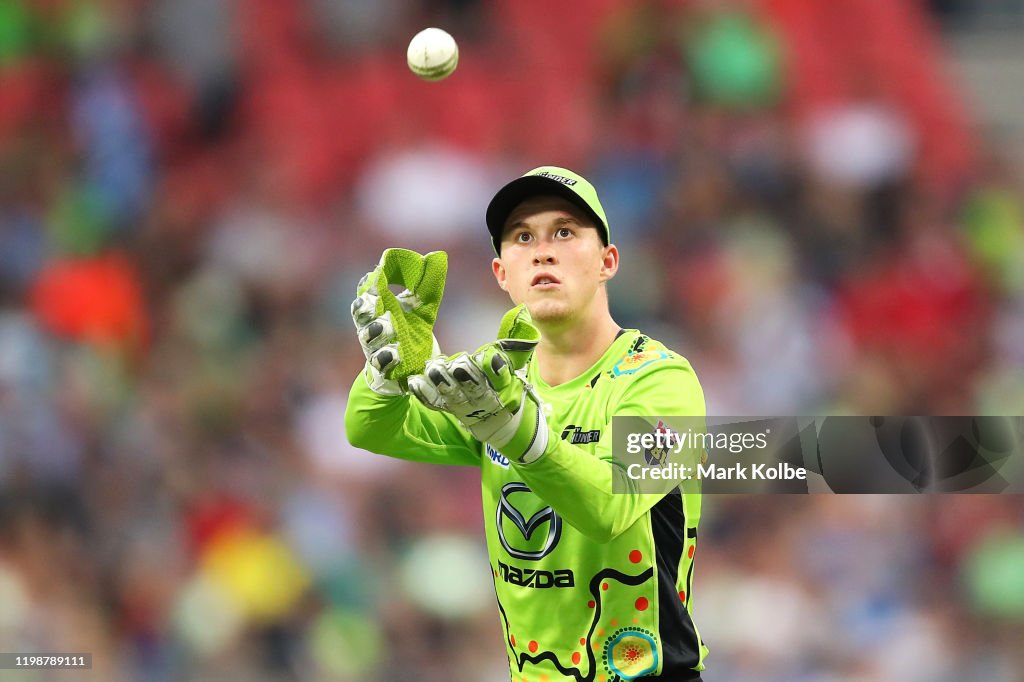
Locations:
(487, 391)
(396, 331)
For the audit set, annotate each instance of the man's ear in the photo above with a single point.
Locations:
(499, 273)
(609, 262)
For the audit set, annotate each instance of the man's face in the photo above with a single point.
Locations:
(553, 260)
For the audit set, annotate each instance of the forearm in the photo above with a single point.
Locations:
(579, 487)
(592, 491)
(398, 426)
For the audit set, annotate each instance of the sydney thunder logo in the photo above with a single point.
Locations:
(657, 455)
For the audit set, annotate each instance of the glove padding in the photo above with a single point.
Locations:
(487, 391)
(396, 331)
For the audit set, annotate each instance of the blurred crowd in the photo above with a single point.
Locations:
(190, 190)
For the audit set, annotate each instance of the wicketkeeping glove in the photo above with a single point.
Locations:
(487, 390)
(396, 331)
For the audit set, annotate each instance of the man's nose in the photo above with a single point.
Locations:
(544, 253)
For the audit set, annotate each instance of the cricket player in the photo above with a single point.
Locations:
(592, 583)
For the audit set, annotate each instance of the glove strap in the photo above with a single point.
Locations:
(538, 430)
(540, 440)
(378, 384)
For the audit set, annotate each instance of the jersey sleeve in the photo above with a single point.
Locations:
(401, 427)
(578, 485)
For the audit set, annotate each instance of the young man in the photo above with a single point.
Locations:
(591, 584)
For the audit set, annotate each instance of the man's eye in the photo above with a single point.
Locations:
(523, 237)
(564, 232)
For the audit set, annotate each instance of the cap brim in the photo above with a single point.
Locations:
(520, 189)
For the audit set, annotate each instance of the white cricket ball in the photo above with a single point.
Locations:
(432, 54)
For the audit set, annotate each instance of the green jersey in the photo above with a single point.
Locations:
(591, 585)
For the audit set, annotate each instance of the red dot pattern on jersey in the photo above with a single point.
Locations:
(513, 638)
(642, 604)
(690, 551)
(533, 646)
(576, 657)
(604, 586)
(591, 604)
(635, 556)
(583, 642)
(682, 595)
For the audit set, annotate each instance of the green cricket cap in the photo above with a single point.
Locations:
(560, 182)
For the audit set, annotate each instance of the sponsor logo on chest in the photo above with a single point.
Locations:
(577, 436)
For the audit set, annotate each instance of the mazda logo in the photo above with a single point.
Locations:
(527, 527)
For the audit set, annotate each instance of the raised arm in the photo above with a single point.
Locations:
(397, 426)
(396, 336)
(579, 485)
